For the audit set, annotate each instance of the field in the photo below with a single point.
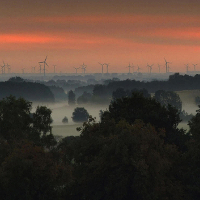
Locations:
(60, 110)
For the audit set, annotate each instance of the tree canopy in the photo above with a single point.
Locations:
(80, 114)
(71, 98)
(168, 97)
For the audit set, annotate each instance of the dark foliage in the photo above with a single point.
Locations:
(85, 98)
(27, 90)
(65, 120)
(80, 115)
(168, 97)
(71, 98)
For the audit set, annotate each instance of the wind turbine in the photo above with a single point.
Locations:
(129, 68)
(7, 67)
(101, 66)
(84, 69)
(194, 66)
(107, 64)
(54, 67)
(40, 68)
(45, 63)
(138, 69)
(133, 67)
(83, 66)
(3, 68)
(150, 68)
(23, 70)
(167, 66)
(187, 68)
(76, 68)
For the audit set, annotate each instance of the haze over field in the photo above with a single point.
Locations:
(72, 32)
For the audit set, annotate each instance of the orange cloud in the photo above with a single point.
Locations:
(14, 38)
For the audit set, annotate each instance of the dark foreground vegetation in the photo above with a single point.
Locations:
(136, 151)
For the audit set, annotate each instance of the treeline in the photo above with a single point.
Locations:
(136, 151)
(176, 82)
(28, 90)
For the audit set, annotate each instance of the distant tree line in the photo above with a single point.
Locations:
(136, 151)
(29, 90)
(176, 82)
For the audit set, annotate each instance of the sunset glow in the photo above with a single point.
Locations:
(114, 35)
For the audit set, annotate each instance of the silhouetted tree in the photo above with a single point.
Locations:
(80, 115)
(150, 111)
(123, 161)
(65, 120)
(119, 93)
(168, 97)
(84, 98)
(71, 98)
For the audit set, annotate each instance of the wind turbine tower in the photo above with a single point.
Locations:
(159, 68)
(2, 71)
(23, 70)
(3, 68)
(129, 68)
(150, 68)
(54, 68)
(133, 67)
(107, 64)
(83, 67)
(76, 68)
(7, 67)
(45, 63)
(167, 65)
(187, 68)
(194, 66)
(40, 68)
(138, 69)
(102, 67)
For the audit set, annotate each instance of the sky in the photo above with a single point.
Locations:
(119, 32)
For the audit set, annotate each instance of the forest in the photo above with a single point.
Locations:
(136, 151)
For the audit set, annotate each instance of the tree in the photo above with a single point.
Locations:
(194, 125)
(42, 120)
(121, 161)
(119, 93)
(100, 94)
(71, 98)
(15, 118)
(80, 114)
(65, 120)
(29, 172)
(149, 111)
(42, 126)
(84, 98)
(17, 122)
(168, 97)
(146, 109)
